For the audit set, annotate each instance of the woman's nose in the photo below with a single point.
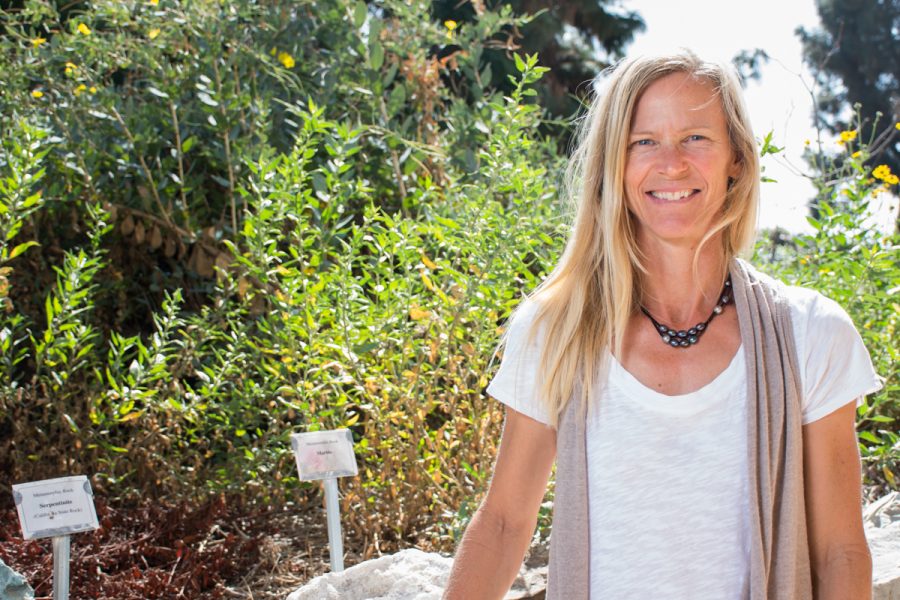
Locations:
(671, 160)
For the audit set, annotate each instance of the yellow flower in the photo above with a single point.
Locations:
(848, 136)
(840, 142)
(897, 125)
(856, 154)
(84, 29)
(153, 33)
(286, 59)
(92, 89)
(881, 172)
(154, 2)
(38, 41)
(451, 26)
(81, 87)
(71, 68)
(36, 93)
(806, 142)
(892, 179)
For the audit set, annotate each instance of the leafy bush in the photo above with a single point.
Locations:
(225, 222)
(858, 266)
(352, 272)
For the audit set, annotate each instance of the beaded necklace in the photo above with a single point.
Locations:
(685, 338)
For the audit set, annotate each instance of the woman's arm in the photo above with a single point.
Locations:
(491, 551)
(841, 562)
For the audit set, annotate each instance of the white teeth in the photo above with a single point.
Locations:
(672, 195)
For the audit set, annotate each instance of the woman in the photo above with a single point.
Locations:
(701, 414)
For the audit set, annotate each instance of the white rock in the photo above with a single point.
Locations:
(882, 520)
(408, 575)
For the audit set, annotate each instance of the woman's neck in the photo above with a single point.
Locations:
(677, 294)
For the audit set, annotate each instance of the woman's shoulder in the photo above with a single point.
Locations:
(815, 308)
(806, 304)
(524, 317)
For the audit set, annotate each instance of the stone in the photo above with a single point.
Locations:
(13, 585)
(413, 575)
(882, 522)
(407, 575)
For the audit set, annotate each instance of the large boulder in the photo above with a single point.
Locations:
(882, 521)
(408, 575)
(13, 586)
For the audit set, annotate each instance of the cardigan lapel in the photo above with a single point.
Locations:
(779, 550)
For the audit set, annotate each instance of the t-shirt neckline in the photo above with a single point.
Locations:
(691, 402)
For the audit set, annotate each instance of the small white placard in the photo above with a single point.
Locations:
(324, 454)
(55, 507)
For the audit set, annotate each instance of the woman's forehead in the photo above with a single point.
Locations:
(678, 97)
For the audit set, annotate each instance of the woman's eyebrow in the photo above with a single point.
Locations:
(690, 127)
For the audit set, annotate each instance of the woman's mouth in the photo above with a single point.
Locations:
(672, 196)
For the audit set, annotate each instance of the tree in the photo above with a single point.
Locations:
(855, 56)
(575, 38)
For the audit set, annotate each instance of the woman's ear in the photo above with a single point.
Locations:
(736, 167)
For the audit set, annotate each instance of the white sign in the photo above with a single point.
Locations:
(55, 507)
(324, 454)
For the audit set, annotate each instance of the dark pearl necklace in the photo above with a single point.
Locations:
(685, 338)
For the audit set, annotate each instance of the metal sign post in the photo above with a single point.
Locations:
(327, 455)
(61, 567)
(333, 515)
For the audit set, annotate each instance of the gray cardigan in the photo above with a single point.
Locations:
(779, 552)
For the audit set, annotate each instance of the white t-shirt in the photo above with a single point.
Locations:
(668, 475)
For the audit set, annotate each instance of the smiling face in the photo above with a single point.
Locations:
(678, 162)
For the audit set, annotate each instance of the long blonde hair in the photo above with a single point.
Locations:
(583, 306)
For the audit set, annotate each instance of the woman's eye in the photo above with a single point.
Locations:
(695, 138)
(642, 142)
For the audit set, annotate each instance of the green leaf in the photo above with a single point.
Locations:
(359, 14)
(869, 437)
(398, 97)
(520, 64)
(376, 55)
(187, 144)
(881, 419)
(21, 248)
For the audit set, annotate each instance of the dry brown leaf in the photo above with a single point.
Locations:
(156, 238)
(139, 233)
(127, 225)
(169, 247)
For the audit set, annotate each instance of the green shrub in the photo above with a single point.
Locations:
(855, 264)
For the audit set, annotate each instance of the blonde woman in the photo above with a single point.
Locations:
(701, 415)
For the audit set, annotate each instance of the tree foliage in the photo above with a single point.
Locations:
(576, 40)
(855, 56)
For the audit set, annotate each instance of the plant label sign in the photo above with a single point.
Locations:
(324, 454)
(55, 507)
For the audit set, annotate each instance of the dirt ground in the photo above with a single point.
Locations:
(215, 551)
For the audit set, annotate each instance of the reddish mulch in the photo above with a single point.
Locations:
(153, 550)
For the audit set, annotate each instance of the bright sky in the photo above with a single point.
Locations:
(779, 101)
